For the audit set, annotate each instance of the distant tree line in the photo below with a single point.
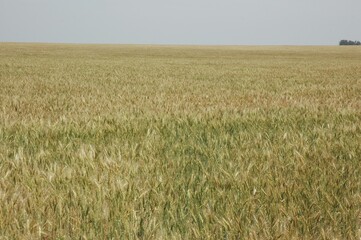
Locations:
(348, 42)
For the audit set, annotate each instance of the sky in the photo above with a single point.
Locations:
(197, 22)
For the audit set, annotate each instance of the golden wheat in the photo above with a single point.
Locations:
(127, 142)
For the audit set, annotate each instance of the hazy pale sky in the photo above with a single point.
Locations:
(238, 22)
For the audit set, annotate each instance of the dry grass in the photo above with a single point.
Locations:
(126, 142)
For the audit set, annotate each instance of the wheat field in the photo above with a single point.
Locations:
(179, 142)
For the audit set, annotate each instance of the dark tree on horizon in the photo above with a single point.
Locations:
(349, 43)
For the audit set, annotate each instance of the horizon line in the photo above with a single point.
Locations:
(168, 44)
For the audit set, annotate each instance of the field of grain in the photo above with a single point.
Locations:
(172, 142)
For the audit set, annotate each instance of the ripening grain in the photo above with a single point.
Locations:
(146, 142)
